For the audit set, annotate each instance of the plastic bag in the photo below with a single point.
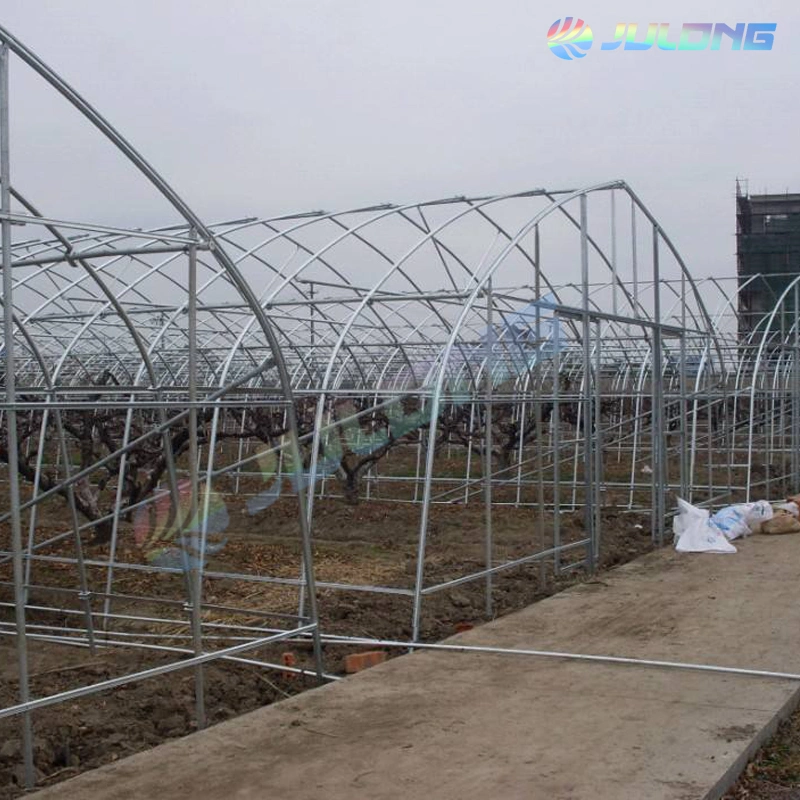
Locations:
(732, 521)
(742, 519)
(758, 513)
(695, 533)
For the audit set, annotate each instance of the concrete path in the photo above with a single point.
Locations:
(452, 726)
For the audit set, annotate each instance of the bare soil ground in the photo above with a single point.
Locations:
(774, 774)
(373, 543)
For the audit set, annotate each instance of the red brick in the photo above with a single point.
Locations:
(355, 662)
(288, 659)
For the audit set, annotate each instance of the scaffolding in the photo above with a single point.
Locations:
(768, 255)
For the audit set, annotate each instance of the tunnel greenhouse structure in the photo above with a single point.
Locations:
(547, 350)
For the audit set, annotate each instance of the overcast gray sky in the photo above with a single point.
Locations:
(256, 107)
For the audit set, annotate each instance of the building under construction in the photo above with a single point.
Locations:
(768, 259)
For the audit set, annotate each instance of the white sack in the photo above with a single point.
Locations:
(695, 533)
(742, 519)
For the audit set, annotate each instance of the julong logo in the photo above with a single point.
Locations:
(572, 38)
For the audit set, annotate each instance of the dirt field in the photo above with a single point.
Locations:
(372, 543)
(774, 774)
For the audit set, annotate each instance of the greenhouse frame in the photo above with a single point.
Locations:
(547, 350)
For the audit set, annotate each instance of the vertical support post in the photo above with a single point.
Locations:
(281, 451)
(84, 595)
(614, 278)
(634, 261)
(794, 440)
(770, 415)
(683, 423)
(313, 309)
(197, 556)
(11, 421)
(118, 502)
(487, 462)
(418, 465)
(556, 428)
(683, 405)
(710, 441)
(240, 454)
(537, 379)
(521, 447)
(422, 543)
(657, 416)
(598, 443)
(586, 336)
(468, 476)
